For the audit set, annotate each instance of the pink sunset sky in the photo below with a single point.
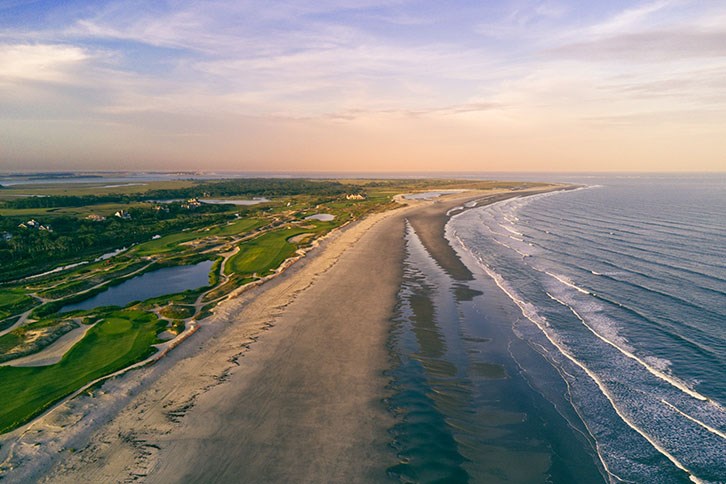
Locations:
(363, 85)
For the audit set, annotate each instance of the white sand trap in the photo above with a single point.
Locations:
(323, 217)
(53, 353)
(167, 335)
(299, 238)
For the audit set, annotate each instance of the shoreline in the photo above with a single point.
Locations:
(465, 379)
(154, 429)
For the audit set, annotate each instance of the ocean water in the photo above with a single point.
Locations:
(590, 344)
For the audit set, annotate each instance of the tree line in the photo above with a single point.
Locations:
(248, 187)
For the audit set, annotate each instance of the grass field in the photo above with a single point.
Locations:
(96, 188)
(264, 253)
(237, 227)
(171, 243)
(118, 341)
(13, 301)
(105, 209)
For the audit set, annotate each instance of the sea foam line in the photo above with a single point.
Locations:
(499, 281)
(568, 283)
(511, 230)
(659, 374)
(695, 420)
(522, 307)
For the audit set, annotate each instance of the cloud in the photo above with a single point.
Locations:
(40, 62)
(433, 112)
(632, 18)
(529, 21)
(651, 46)
(696, 85)
(215, 27)
(711, 118)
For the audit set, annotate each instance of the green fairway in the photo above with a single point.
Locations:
(264, 253)
(237, 227)
(118, 341)
(171, 243)
(13, 301)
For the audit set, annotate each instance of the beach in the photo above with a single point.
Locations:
(285, 383)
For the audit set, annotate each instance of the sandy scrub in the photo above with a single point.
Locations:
(53, 353)
(283, 384)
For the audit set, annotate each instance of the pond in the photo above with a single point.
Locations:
(429, 195)
(167, 280)
(222, 201)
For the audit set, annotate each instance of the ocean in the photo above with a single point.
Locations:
(589, 345)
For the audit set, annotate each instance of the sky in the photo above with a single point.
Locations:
(363, 85)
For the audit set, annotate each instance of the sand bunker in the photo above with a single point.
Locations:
(53, 353)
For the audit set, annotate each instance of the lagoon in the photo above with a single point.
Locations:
(430, 195)
(168, 280)
(224, 201)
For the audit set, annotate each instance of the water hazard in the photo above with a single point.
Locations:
(168, 280)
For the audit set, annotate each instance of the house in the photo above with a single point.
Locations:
(95, 217)
(122, 214)
(192, 203)
(35, 225)
(30, 224)
(355, 196)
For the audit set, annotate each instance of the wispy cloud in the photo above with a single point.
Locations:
(40, 62)
(516, 68)
(636, 17)
(651, 46)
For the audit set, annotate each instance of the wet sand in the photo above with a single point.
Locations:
(284, 384)
(429, 223)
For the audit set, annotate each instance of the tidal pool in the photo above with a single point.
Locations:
(429, 195)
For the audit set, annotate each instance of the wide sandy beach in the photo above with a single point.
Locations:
(285, 383)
